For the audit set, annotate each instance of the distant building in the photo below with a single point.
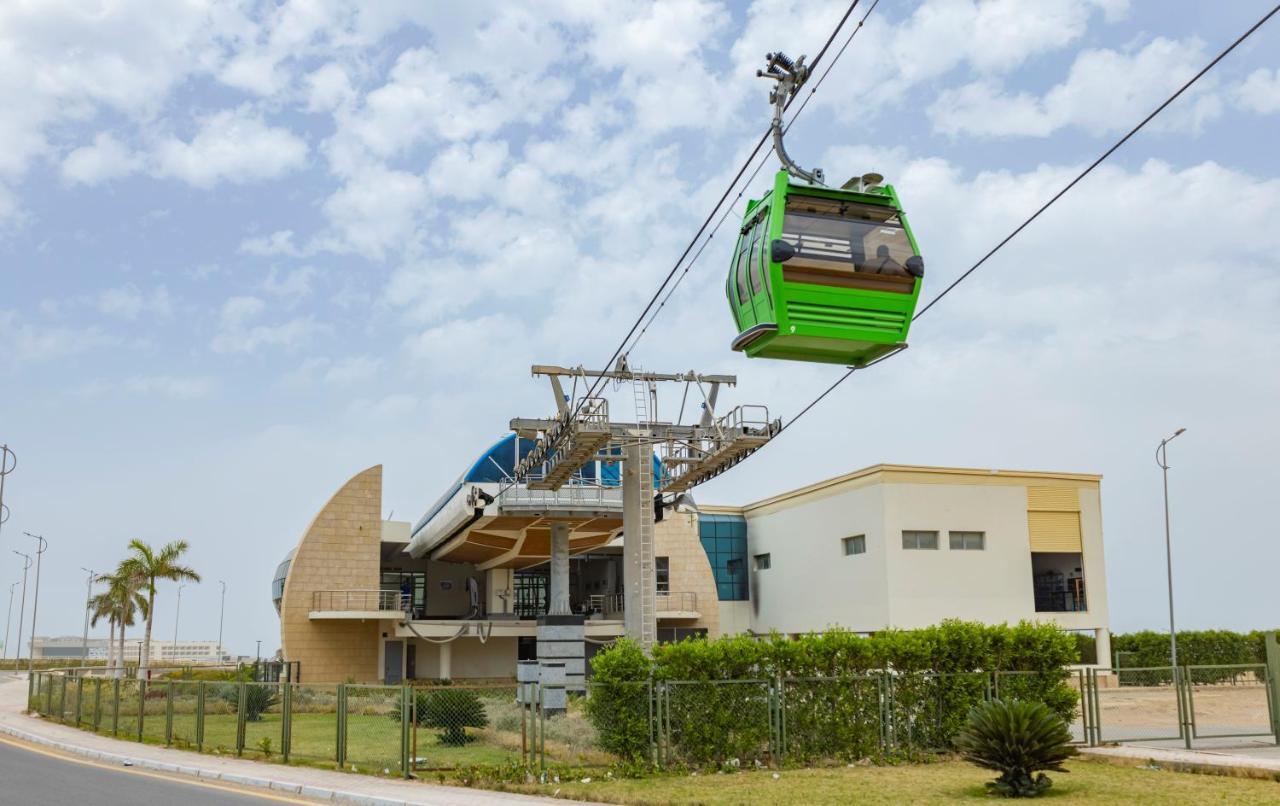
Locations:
(71, 648)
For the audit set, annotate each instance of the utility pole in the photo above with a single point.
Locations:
(1162, 461)
(41, 545)
(22, 609)
(222, 610)
(8, 461)
(7, 619)
(88, 597)
(177, 613)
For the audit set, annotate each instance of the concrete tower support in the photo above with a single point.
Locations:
(640, 606)
(561, 645)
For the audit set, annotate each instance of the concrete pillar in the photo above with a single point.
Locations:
(1102, 639)
(446, 660)
(559, 605)
(639, 579)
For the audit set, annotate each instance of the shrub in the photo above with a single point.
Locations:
(258, 699)
(452, 709)
(617, 703)
(1016, 738)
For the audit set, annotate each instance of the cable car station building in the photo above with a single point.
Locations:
(466, 592)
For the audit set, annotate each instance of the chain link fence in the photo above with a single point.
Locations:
(407, 730)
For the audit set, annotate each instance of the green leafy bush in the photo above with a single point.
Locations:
(618, 702)
(258, 699)
(1017, 739)
(451, 709)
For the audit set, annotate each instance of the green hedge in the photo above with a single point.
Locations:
(1195, 648)
(834, 684)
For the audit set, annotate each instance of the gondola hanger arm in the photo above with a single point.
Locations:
(790, 77)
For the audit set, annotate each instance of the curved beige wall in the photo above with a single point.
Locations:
(676, 537)
(339, 551)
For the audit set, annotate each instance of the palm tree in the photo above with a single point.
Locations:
(101, 607)
(119, 603)
(145, 566)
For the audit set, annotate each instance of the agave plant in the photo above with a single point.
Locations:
(1017, 739)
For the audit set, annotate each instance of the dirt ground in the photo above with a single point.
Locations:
(1238, 707)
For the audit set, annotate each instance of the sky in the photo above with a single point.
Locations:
(248, 249)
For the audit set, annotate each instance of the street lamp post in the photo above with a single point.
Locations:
(1162, 460)
(7, 619)
(84, 638)
(222, 610)
(22, 609)
(177, 613)
(41, 545)
(8, 463)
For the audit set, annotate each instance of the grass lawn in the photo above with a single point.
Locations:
(937, 783)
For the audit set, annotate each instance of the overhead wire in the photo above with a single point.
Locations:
(754, 173)
(981, 261)
(710, 216)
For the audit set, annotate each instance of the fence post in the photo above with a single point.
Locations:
(1273, 681)
(340, 748)
(115, 707)
(404, 730)
(200, 717)
(79, 699)
(142, 705)
(48, 706)
(32, 688)
(242, 702)
(652, 694)
(97, 704)
(168, 714)
(286, 720)
(542, 731)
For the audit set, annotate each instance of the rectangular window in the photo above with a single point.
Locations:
(761, 562)
(855, 545)
(662, 565)
(927, 541)
(968, 541)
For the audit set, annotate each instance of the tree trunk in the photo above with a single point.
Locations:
(111, 644)
(144, 660)
(120, 658)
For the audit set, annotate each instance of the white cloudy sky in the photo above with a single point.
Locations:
(250, 248)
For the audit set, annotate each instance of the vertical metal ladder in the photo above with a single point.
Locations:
(648, 572)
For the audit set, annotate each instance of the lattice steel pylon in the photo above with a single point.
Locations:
(581, 432)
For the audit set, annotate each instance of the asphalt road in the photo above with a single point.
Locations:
(38, 777)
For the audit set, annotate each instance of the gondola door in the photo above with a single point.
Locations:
(738, 286)
(758, 282)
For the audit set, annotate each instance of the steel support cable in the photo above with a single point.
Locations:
(1114, 147)
(707, 221)
(803, 103)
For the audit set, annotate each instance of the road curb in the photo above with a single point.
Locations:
(272, 784)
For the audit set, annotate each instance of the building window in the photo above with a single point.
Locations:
(968, 541)
(762, 561)
(663, 567)
(855, 545)
(724, 538)
(920, 540)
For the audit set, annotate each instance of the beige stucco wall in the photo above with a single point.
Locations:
(471, 660)
(338, 551)
(676, 537)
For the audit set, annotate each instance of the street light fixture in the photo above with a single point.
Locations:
(88, 597)
(177, 613)
(1162, 461)
(222, 609)
(41, 546)
(22, 609)
(7, 619)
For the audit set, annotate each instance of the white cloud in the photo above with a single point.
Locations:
(232, 145)
(1105, 91)
(279, 242)
(328, 88)
(351, 370)
(166, 386)
(107, 158)
(128, 302)
(1260, 92)
(238, 333)
(294, 284)
(29, 343)
(377, 210)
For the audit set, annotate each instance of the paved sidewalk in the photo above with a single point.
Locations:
(1245, 761)
(322, 785)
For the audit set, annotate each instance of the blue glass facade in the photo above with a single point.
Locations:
(724, 538)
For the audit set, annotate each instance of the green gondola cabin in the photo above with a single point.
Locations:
(824, 274)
